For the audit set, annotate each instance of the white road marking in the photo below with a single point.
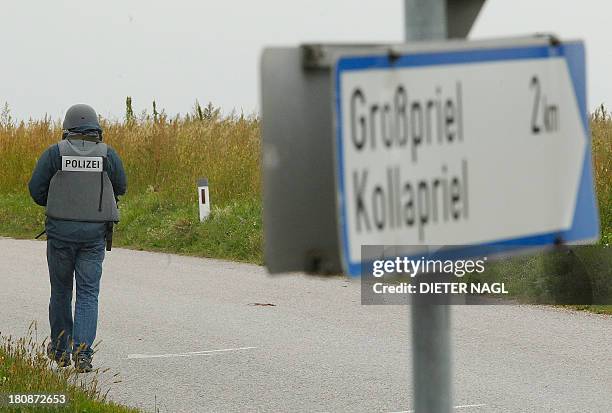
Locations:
(463, 406)
(189, 354)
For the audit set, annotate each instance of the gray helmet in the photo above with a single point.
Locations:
(81, 116)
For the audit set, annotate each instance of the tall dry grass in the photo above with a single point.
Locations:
(601, 126)
(160, 154)
(165, 155)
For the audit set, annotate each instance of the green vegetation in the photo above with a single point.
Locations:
(164, 156)
(565, 277)
(232, 231)
(601, 126)
(25, 369)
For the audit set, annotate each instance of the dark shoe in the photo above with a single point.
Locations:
(82, 363)
(62, 360)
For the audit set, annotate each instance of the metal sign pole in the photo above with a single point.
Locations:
(431, 354)
(425, 20)
(431, 349)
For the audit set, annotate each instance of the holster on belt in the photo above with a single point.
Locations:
(109, 235)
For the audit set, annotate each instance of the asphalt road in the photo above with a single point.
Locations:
(184, 336)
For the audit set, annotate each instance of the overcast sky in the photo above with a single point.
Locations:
(56, 53)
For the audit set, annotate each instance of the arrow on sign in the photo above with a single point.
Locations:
(463, 148)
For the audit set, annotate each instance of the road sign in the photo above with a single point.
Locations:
(481, 146)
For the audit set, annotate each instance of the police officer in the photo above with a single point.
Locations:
(77, 180)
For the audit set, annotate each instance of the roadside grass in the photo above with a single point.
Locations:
(25, 369)
(601, 127)
(596, 309)
(164, 157)
(19, 216)
(233, 231)
(578, 277)
(149, 222)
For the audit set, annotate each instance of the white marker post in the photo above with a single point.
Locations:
(203, 199)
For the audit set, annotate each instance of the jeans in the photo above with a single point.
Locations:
(83, 262)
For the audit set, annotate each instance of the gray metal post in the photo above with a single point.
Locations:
(431, 349)
(431, 357)
(440, 19)
(431, 354)
(425, 20)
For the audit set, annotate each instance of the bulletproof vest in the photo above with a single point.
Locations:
(81, 190)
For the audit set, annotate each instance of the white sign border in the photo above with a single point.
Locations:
(585, 224)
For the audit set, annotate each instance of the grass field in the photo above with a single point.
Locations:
(164, 157)
(601, 127)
